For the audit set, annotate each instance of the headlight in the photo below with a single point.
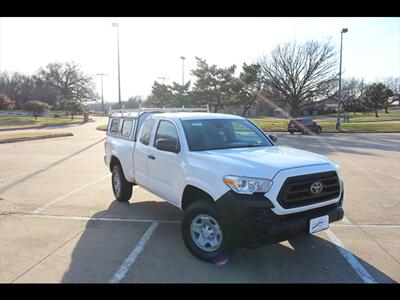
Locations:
(248, 185)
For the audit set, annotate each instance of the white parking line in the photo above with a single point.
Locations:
(132, 220)
(387, 174)
(46, 216)
(69, 194)
(346, 220)
(130, 260)
(354, 263)
(366, 225)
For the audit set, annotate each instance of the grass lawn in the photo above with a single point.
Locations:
(280, 125)
(361, 122)
(24, 122)
(102, 127)
(15, 137)
(368, 116)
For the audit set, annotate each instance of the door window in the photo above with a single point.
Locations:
(166, 130)
(145, 134)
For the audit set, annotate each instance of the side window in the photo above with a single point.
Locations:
(127, 128)
(145, 134)
(114, 126)
(166, 130)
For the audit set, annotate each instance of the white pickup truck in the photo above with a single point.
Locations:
(233, 183)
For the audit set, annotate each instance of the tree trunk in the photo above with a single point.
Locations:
(376, 112)
(72, 116)
(386, 109)
(245, 111)
(294, 112)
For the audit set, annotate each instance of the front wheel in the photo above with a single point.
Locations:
(318, 130)
(122, 189)
(205, 233)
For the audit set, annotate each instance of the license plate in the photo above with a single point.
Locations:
(318, 224)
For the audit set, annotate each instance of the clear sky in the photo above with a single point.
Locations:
(151, 47)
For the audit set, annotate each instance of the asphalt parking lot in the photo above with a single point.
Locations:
(59, 221)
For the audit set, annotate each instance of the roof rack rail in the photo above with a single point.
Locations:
(158, 109)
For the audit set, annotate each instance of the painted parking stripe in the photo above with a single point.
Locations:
(129, 220)
(387, 174)
(366, 225)
(346, 220)
(130, 260)
(354, 263)
(69, 194)
(134, 220)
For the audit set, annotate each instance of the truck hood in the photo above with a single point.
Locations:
(262, 162)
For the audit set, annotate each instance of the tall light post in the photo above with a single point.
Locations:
(344, 30)
(119, 77)
(183, 70)
(102, 96)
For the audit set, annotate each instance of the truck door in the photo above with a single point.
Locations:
(140, 157)
(127, 147)
(165, 170)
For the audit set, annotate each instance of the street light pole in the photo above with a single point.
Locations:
(183, 70)
(119, 77)
(344, 30)
(102, 96)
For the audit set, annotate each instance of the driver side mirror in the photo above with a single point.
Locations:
(170, 145)
(273, 137)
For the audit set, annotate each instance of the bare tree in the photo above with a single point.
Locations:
(68, 81)
(298, 74)
(393, 83)
(350, 94)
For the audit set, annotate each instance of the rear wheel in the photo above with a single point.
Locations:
(122, 189)
(318, 131)
(205, 233)
(291, 132)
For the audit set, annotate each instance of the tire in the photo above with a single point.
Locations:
(291, 132)
(197, 213)
(318, 130)
(123, 190)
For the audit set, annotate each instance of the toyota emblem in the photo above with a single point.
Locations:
(316, 188)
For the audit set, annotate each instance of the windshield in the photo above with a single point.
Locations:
(212, 134)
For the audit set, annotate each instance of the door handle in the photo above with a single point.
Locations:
(151, 156)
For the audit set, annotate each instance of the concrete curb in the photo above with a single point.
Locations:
(39, 137)
(39, 127)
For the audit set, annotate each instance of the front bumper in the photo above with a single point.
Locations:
(254, 224)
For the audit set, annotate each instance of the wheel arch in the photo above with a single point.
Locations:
(114, 160)
(192, 194)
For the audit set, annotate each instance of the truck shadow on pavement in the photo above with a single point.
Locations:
(104, 245)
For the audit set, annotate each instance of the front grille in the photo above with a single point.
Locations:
(296, 191)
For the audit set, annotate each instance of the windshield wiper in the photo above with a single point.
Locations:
(248, 146)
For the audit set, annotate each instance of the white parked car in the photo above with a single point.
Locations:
(233, 183)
